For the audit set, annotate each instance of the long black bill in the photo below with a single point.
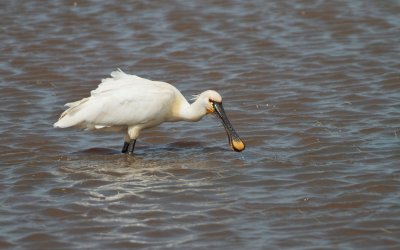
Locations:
(234, 140)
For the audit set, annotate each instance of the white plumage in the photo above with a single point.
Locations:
(130, 103)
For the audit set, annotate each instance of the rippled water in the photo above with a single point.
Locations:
(313, 87)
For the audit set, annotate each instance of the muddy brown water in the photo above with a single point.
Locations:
(313, 87)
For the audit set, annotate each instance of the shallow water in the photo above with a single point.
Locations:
(313, 87)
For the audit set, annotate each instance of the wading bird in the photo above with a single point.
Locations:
(130, 104)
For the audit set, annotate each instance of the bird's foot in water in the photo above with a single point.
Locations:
(125, 147)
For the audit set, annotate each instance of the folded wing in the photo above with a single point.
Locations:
(121, 100)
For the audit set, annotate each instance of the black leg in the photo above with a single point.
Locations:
(132, 146)
(125, 147)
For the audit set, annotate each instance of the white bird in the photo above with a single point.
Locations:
(130, 104)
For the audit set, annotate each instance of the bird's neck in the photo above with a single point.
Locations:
(192, 112)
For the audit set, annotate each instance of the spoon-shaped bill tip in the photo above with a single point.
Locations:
(237, 145)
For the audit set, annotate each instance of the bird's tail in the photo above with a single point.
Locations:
(70, 117)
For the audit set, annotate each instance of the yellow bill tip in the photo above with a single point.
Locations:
(238, 145)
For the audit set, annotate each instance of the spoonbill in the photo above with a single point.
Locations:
(130, 104)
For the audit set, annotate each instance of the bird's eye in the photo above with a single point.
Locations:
(210, 100)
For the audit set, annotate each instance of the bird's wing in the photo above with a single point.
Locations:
(131, 105)
(122, 100)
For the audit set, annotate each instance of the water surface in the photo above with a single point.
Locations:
(313, 87)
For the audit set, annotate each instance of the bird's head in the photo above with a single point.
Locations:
(212, 102)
